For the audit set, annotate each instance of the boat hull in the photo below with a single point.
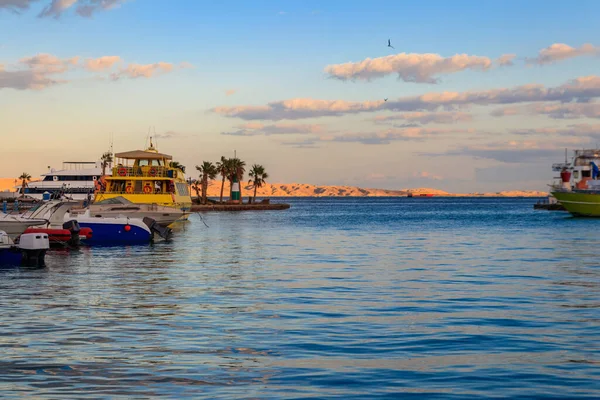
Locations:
(115, 233)
(10, 256)
(579, 204)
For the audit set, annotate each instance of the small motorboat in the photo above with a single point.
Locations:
(121, 207)
(14, 225)
(60, 233)
(119, 230)
(29, 251)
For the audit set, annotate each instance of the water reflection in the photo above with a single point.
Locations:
(350, 298)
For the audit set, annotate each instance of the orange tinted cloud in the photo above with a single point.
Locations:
(419, 68)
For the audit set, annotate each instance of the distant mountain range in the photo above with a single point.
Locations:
(307, 190)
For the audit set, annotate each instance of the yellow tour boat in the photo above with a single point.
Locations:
(146, 177)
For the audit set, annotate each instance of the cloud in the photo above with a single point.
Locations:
(134, 71)
(101, 63)
(185, 65)
(84, 8)
(587, 130)
(554, 110)
(56, 8)
(505, 111)
(298, 109)
(48, 63)
(391, 135)
(506, 60)
(419, 68)
(529, 151)
(87, 9)
(580, 89)
(561, 51)
(37, 72)
(427, 117)
(427, 175)
(229, 92)
(16, 5)
(26, 79)
(166, 135)
(255, 129)
(301, 144)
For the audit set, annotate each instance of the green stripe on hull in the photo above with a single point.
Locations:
(580, 204)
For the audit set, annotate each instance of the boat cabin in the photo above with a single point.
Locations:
(145, 172)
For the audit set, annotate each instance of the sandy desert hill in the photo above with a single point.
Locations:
(307, 190)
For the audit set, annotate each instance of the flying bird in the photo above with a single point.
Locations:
(390, 44)
(385, 99)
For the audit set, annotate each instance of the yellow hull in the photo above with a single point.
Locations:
(579, 204)
(183, 203)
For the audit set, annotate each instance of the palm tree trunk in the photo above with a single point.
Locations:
(198, 197)
(254, 198)
(222, 184)
(204, 188)
(241, 197)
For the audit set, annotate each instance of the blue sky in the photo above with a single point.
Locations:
(269, 52)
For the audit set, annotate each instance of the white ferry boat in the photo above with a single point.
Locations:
(76, 180)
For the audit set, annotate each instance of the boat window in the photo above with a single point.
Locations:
(585, 174)
(575, 174)
(48, 178)
(143, 163)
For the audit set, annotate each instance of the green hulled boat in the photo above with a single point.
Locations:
(582, 203)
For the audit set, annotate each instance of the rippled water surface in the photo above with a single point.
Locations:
(348, 298)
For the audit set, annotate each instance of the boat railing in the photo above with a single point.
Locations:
(143, 172)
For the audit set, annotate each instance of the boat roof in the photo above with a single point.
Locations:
(75, 172)
(114, 200)
(144, 155)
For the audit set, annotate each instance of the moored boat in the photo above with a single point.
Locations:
(29, 251)
(76, 180)
(59, 231)
(578, 188)
(121, 207)
(146, 177)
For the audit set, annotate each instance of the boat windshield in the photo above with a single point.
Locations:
(114, 200)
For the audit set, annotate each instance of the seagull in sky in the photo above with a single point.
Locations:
(390, 44)
(385, 99)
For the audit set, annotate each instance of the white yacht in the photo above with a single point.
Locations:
(76, 180)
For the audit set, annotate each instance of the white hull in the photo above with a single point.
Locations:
(15, 225)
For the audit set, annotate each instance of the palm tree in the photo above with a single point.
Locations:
(106, 158)
(25, 177)
(207, 171)
(223, 169)
(197, 186)
(176, 164)
(258, 176)
(237, 169)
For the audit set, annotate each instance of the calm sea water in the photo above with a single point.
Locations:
(349, 298)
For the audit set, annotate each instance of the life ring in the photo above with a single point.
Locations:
(129, 189)
(122, 171)
(147, 189)
(152, 171)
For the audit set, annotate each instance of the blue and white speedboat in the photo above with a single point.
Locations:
(113, 230)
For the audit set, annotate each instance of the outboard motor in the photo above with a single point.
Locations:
(33, 247)
(154, 227)
(73, 227)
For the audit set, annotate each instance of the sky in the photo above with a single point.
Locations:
(469, 98)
